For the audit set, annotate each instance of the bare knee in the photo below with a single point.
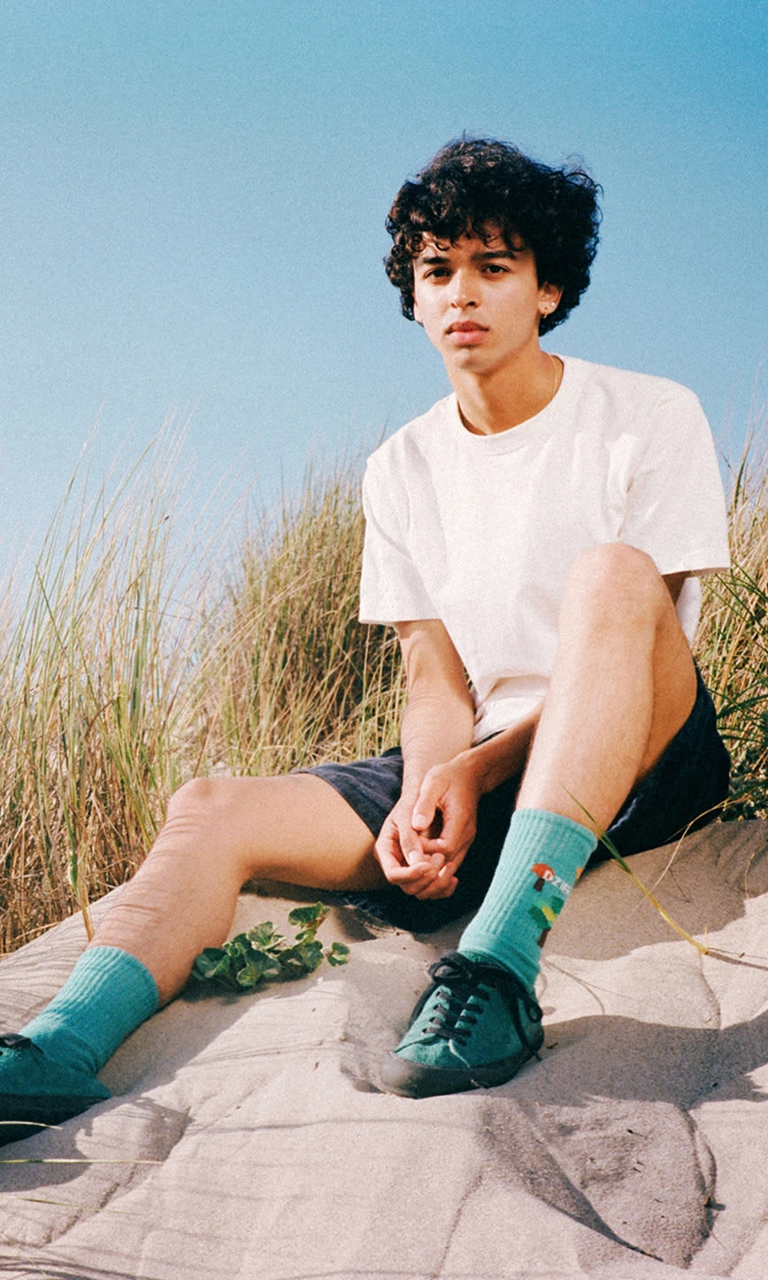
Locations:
(618, 580)
(204, 816)
(201, 797)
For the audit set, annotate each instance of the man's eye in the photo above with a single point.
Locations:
(495, 268)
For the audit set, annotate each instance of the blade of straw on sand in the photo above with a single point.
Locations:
(71, 1160)
(605, 839)
(86, 1208)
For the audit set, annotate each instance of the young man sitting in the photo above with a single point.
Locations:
(535, 540)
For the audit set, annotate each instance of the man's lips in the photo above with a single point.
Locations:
(465, 333)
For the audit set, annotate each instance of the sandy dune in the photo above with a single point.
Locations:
(247, 1139)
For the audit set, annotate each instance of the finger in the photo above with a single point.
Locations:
(414, 852)
(390, 854)
(459, 824)
(425, 857)
(449, 847)
(413, 881)
(454, 848)
(438, 889)
(426, 806)
(448, 873)
(387, 851)
(399, 871)
(426, 868)
(444, 883)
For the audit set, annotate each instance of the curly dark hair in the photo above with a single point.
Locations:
(480, 186)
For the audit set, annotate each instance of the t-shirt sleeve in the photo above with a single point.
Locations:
(676, 508)
(391, 588)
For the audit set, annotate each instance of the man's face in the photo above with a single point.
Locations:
(479, 302)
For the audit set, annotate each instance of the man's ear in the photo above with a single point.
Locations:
(416, 315)
(551, 293)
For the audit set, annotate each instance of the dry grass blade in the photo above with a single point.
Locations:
(608, 844)
(70, 1160)
(133, 663)
(95, 660)
(732, 643)
(291, 677)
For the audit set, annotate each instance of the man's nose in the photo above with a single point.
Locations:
(463, 290)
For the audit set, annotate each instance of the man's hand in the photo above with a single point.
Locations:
(423, 843)
(424, 838)
(402, 856)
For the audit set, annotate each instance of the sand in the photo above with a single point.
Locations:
(247, 1138)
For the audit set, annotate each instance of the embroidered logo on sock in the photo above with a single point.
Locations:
(548, 909)
(545, 875)
(545, 914)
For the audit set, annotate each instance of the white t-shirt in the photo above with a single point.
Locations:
(479, 531)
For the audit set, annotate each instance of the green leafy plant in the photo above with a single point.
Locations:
(263, 955)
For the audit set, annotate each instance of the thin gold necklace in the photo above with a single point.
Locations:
(556, 383)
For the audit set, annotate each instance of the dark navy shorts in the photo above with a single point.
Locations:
(684, 790)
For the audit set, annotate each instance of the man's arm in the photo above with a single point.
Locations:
(452, 790)
(437, 725)
(445, 808)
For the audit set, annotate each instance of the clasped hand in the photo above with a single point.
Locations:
(424, 839)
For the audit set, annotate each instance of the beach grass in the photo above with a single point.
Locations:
(732, 640)
(133, 661)
(136, 658)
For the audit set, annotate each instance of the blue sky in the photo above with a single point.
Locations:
(193, 195)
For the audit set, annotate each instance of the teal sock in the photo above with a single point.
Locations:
(542, 858)
(107, 996)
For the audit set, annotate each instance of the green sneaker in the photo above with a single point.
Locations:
(36, 1091)
(473, 1028)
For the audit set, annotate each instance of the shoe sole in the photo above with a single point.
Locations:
(417, 1080)
(23, 1115)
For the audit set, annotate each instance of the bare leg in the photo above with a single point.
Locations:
(219, 834)
(623, 684)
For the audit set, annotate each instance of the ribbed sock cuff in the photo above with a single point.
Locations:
(107, 996)
(542, 857)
